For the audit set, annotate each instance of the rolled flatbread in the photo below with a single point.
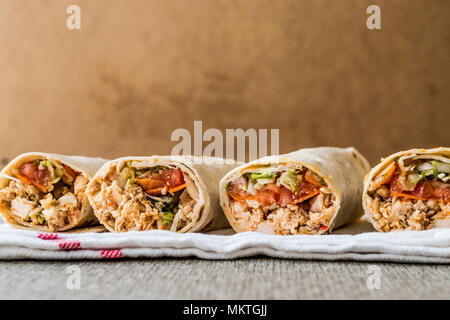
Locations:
(176, 193)
(47, 192)
(310, 191)
(409, 190)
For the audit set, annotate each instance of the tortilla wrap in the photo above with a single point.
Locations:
(309, 191)
(176, 193)
(19, 197)
(409, 190)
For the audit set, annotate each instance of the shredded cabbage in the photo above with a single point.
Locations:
(267, 174)
(289, 180)
(167, 217)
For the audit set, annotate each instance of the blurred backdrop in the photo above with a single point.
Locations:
(139, 69)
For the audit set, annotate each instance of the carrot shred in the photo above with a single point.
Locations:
(240, 199)
(389, 174)
(34, 183)
(155, 191)
(39, 186)
(312, 179)
(154, 186)
(401, 194)
(312, 194)
(175, 189)
(23, 179)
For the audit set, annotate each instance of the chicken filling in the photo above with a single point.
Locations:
(281, 201)
(134, 196)
(412, 193)
(45, 193)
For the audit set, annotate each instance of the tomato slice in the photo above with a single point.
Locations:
(424, 190)
(306, 190)
(172, 180)
(178, 188)
(442, 191)
(307, 196)
(30, 173)
(271, 193)
(71, 172)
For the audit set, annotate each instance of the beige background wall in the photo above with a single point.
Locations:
(139, 69)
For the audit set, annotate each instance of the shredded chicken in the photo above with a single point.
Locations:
(284, 219)
(390, 213)
(286, 200)
(59, 209)
(400, 197)
(186, 214)
(21, 207)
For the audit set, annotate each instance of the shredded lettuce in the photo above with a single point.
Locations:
(139, 173)
(267, 174)
(441, 167)
(289, 180)
(157, 169)
(36, 214)
(429, 173)
(40, 217)
(129, 174)
(244, 186)
(56, 180)
(263, 181)
(59, 172)
(429, 170)
(47, 164)
(257, 180)
(414, 178)
(132, 179)
(435, 166)
(167, 205)
(55, 170)
(167, 217)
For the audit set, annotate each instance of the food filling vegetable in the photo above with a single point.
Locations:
(411, 194)
(281, 200)
(45, 192)
(135, 196)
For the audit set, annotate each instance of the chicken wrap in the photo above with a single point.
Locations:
(176, 193)
(409, 190)
(47, 192)
(310, 191)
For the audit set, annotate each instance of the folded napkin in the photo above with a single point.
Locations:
(355, 242)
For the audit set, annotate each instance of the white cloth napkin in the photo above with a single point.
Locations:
(355, 242)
